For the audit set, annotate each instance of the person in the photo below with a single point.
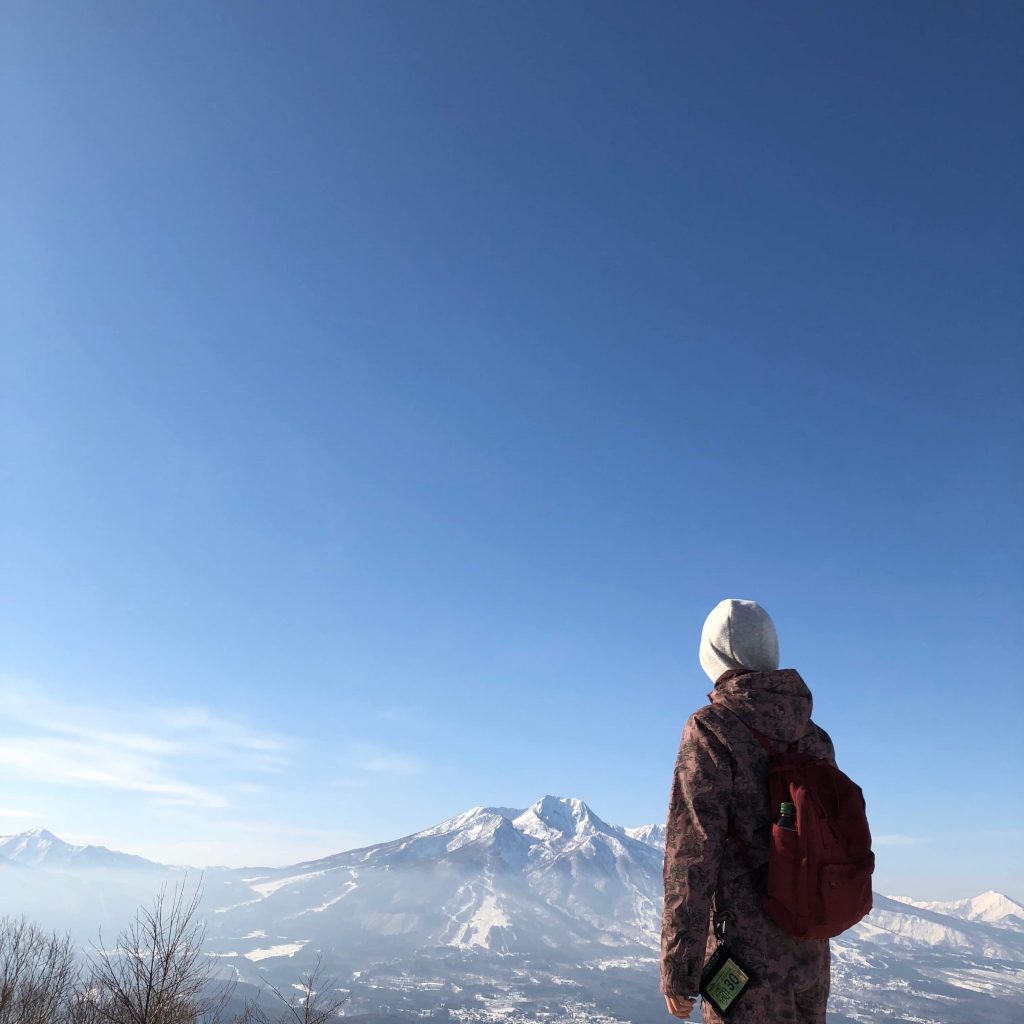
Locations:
(720, 781)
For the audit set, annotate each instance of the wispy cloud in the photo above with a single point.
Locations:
(205, 782)
(13, 812)
(139, 749)
(210, 736)
(81, 762)
(370, 757)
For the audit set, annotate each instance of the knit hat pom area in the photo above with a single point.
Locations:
(738, 634)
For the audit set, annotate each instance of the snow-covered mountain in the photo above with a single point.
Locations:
(39, 848)
(501, 913)
(991, 907)
(553, 875)
(653, 834)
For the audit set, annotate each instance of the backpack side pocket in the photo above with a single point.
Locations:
(781, 899)
(844, 891)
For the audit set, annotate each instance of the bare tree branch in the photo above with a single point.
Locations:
(319, 1001)
(157, 972)
(38, 973)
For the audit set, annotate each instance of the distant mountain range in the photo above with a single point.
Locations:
(990, 907)
(39, 848)
(506, 913)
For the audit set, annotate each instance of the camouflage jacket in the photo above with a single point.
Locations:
(720, 776)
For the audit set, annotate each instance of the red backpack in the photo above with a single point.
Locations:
(819, 875)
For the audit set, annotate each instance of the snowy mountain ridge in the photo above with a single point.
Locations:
(653, 834)
(550, 884)
(991, 907)
(40, 848)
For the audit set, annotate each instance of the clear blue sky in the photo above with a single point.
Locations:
(390, 390)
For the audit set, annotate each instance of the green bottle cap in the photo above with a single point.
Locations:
(787, 809)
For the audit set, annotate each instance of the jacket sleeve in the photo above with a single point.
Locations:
(695, 836)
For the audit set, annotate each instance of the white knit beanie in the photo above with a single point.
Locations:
(738, 634)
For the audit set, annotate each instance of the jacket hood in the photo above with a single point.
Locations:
(777, 703)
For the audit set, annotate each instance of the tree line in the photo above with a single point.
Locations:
(155, 972)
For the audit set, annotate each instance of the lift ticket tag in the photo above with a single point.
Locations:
(724, 980)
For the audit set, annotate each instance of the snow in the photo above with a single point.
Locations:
(553, 817)
(483, 829)
(849, 954)
(653, 835)
(36, 846)
(459, 822)
(288, 949)
(235, 906)
(266, 888)
(391, 924)
(348, 887)
(990, 908)
(476, 930)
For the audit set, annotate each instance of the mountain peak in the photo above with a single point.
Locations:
(652, 834)
(41, 833)
(994, 896)
(38, 847)
(991, 907)
(554, 815)
(459, 821)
